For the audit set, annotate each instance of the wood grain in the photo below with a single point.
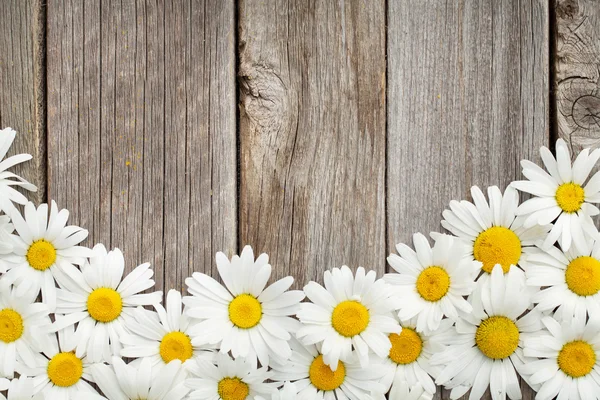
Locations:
(467, 100)
(312, 134)
(577, 72)
(142, 122)
(22, 86)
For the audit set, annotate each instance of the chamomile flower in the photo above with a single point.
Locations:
(44, 249)
(21, 320)
(315, 380)
(569, 365)
(571, 280)
(244, 318)
(228, 379)
(432, 281)
(19, 389)
(561, 194)
(6, 247)
(8, 179)
(494, 233)
(486, 346)
(163, 336)
(124, 382)
(99, 299)
(402, 391)
(349, 312)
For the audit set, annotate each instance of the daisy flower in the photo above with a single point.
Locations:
(432, 281)
(486, 346)
(19, 389)
(123, 382)
(561, 194)
(571, 280)
(229, 379)
(99, 300)
(494, 233)
(21, 320)
(349, 312)
(162, 336)
(44, 249)
(244, 318)
(315, 380)
(569, 365)
(59, 374)
(408, 360)
(9, 194)
(401, 391)
(6, 247)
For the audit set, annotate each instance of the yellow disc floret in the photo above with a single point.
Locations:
(583, 276)
(176, 346)
(350, 318)
(41, 255)
(406, 347)
(11, 325)
(497, 245)
(233, 389)
(433, 283)
(497, 337)
(569, 197)
(323, 378)
(245, 311)
(576, 358)
(104, 304)
(65, 369)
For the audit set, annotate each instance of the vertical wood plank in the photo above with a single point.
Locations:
(22, 86)
(467, 100)
(312, 134)
(577, 72)
(142, 120)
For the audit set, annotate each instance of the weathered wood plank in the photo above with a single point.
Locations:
(142, 116)
(467, 100)
(312, 134)
(577, 72)
(22, 86)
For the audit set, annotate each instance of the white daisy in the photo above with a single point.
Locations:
(124, 382)
(571, 280)
(163, 336)
(44, 249)
(402, 391)
(485, 348)
(21, 320)
(570, 360)
(350, 312)
(59, 374)
(229, 379)
(19, 389)
(560, 193)
(432, 281)
(246, 319)
(6, 246)
(99, 300)
(7, 179)
(494, 233)
(315, 380)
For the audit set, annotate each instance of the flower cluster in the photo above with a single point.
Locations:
(510, 293)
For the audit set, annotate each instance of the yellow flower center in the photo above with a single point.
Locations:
(349, 318)
(497, 245)
(323, 378)
(176, 345)
(406, 347)
(245, 311)
(233, 389)
(583, 276)
(497, 337)
(11, 325)
(41, 255)
(570, 197)
(65, 369)
(104, 304)
(576, 359)
(433, 283)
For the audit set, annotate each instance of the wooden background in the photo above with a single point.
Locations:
(321, 132)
